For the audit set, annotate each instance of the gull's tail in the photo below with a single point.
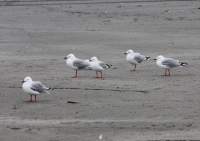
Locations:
(183, 64)
(108, 66)
(47, 90)
(146, 58)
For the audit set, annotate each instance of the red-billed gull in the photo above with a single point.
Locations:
(33, 87)
(98, 66)
(75, 63)
(168, 63)
(135, 58)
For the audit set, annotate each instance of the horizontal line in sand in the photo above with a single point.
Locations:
(15, 120)
(97, 89)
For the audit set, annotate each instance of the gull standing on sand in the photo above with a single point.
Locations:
(98, 66)
(168, 63)
(75, 63)
(33, 87)
(135, 58)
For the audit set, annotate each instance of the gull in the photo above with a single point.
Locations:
(135, 58)
(75, 63)
(168, 63)
(33, 87)
(98, 66)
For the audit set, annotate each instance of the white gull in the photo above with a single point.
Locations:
(168, 63)
(135, 58)
(98, 66)
(75, 63)
(33, 87)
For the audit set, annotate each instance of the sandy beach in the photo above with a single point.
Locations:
(123, 105)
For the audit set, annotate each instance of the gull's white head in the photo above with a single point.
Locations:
(71, 56)
(128, 52)
(27, 79)
(94, 59)
(160, 57)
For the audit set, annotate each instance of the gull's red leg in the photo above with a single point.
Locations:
(166, 72)
(30, 99)
(96, 75)
(134, 68)
(76, 74)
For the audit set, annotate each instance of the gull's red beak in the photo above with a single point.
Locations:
(125, 53)
(65, 58)
(154, 59)
(23, 81)
(90, 60)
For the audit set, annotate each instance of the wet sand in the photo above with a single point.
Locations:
(123, 105)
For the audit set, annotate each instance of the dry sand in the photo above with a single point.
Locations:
(124, 105)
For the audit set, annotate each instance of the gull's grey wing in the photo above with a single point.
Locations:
(38, 87)
(170, 62)
(80, 64)
(139, 58)
(103, 65)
